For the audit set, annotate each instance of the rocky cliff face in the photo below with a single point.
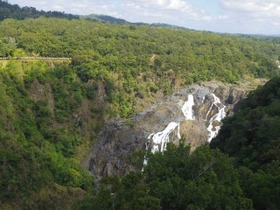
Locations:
(194, 112)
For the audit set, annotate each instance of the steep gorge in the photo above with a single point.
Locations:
(166, 120)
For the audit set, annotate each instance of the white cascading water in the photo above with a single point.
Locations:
(187, 108)
(161, 139)
(145, 159)
(213, 130)
(203, 99)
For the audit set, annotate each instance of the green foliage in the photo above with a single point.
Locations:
(131, 192)
(34, 154)
(104, 18)
(204, 180)
(50, 112)
(251, 138)
(175, 180)
(138, 63)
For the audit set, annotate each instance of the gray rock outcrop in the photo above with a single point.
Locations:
(109, 156)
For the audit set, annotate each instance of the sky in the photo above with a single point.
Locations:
(225, 16)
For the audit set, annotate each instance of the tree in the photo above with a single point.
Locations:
(177, 180)
(202, 180)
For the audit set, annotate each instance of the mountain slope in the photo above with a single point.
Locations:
(104, 18)
(39, 137)
(251, 138)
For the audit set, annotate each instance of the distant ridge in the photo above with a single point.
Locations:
(104, 18)
(8, 10)
(14, 11)
(110, 19)
(164, 25)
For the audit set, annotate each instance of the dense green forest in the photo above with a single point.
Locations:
(252, 140)
(137, 61)
(175, 180)
(51, 112)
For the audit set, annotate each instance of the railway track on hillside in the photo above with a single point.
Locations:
(36, 58)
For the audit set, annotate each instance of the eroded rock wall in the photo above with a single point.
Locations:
(119, 139)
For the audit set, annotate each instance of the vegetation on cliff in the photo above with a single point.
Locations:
(175, 180)
(39, 136)
(251, 138)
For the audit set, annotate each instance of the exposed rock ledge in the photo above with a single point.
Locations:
(109, 155)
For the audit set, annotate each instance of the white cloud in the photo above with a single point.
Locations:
(175, 11)
(160, 5)
(269, 8)
(253, 16)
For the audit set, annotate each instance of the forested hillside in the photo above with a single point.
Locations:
(252, 139)
(139, 61)
(51, 111)
(104, 18)
(40, 136)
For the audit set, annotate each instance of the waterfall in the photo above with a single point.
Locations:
(213, 130)
(161, 138)
(187, 108)
(165, 120)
